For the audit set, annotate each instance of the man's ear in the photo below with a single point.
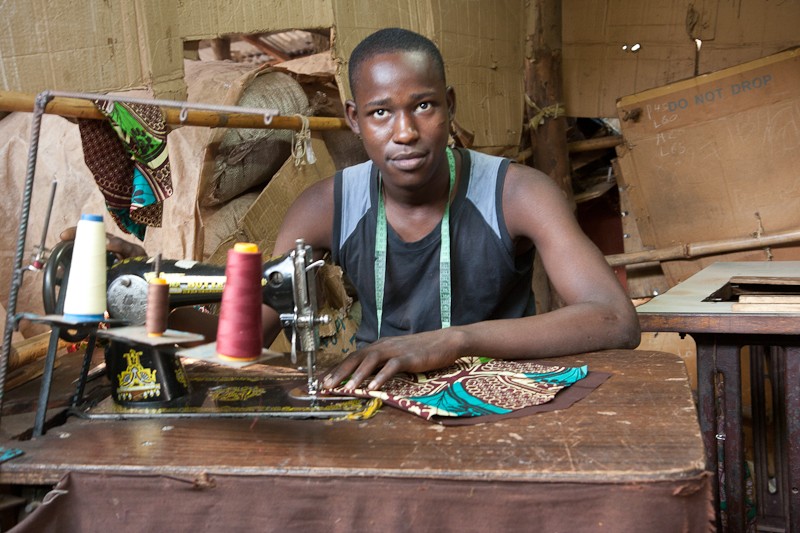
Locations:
(351, 114)
(451, 102)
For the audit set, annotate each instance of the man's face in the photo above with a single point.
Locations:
(402, 112)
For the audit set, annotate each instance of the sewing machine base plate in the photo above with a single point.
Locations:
(220, 392)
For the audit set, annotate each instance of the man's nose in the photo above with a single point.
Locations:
(405, 129)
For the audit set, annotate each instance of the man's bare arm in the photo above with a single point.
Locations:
(597, 315)
(310, 218)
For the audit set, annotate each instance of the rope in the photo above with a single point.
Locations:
(552, 111)
(302, 152)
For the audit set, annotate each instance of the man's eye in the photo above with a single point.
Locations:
(424, 105)
(379, 113)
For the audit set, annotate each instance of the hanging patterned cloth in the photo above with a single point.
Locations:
(128, 156)
(476, 390)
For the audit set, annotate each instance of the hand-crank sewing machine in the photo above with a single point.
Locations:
(288, 287)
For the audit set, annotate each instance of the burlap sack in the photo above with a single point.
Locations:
(317, 76)
(263, 219)
(260, 225)
(223, 223)
(246, 158)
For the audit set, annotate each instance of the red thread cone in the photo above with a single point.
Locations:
(239, 335)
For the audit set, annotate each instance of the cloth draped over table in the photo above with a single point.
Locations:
(475, 390)
(128, 156)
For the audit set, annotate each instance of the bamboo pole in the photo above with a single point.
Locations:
(698, 249)
(77, 108)
(599, 143)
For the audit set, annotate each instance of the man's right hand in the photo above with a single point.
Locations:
(119, 247)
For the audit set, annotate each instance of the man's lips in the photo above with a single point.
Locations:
(407, 161)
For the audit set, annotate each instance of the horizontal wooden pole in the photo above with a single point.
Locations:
(79, 108)
(691, 250)
(598, 143)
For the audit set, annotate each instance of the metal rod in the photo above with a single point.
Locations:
(183, 106)
(16, 280)
(47, 380)
(77, 398)
(37, 261)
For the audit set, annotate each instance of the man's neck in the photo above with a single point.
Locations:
(414, 214)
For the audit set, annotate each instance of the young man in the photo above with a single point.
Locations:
(432, 237)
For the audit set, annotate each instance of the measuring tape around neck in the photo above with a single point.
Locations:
(445, 290)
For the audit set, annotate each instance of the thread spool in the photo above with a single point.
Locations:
(157, 307)
(86, 288)
(239, 334)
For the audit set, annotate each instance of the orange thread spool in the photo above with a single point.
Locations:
(157, 307)
(240, 332)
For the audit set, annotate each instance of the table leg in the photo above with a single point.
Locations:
(707, 408)
(792, 402)
(767, 380)
(729, 365)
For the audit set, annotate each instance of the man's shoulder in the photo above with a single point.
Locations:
(357, 170)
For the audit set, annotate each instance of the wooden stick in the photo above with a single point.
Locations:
(765, 280)
(765, 308)
(24, 374)
(688, 251)
(769, 299)
(30, 349)
(599, 143)
(78, 108)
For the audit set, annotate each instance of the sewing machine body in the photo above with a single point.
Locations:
(288, 286)
(190, 283)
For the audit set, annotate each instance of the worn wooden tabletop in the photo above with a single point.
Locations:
(640, 425)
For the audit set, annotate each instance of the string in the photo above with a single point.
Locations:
(552, 111)
(239, 334)
(302, 150)
(445, 290)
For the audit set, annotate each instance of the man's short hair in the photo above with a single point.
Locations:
(391, 40)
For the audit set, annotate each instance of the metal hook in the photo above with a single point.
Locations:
(267, 119)
(184, 114)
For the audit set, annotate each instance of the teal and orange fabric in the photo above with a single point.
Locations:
(477, 389)
(128, 157)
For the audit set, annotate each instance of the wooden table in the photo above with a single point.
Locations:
(627, 457)
(720, 333)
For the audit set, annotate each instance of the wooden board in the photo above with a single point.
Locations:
(642, 280)
(716, 157)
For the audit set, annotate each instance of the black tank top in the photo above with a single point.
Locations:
(488, 280)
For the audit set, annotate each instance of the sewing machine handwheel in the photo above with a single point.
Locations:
(56, 272)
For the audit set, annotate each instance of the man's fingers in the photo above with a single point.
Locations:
(340, 372)
(123, 248)
(389, 369)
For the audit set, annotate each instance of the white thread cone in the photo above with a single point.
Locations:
(86, 285)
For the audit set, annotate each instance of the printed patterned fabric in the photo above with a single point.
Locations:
(474, 388)
(129, 160)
